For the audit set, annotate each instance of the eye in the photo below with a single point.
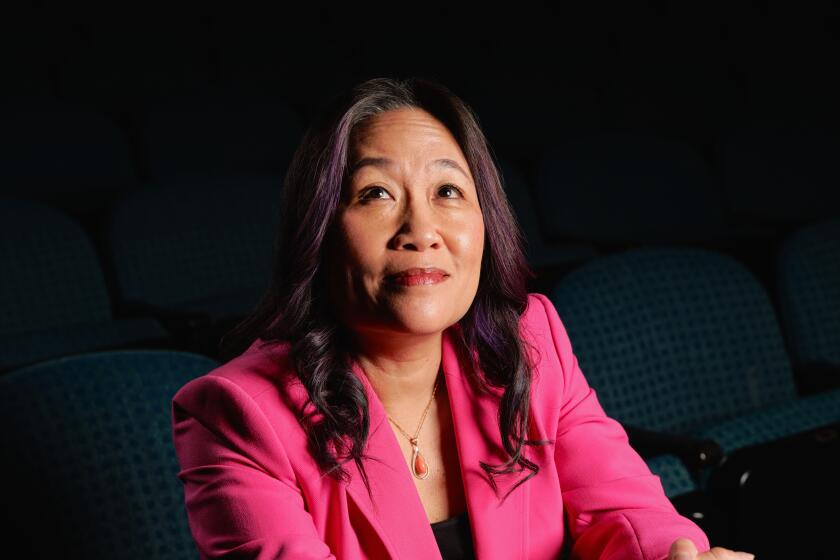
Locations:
(451, 187)
(364, 196)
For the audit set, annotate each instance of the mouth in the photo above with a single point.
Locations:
(417, 277)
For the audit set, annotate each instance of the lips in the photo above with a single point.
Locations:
(418, 276)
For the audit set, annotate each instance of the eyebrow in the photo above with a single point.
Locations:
(385, 162)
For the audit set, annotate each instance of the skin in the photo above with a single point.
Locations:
(684, 549)
(404, 215)
(397, 217)
(412, 214)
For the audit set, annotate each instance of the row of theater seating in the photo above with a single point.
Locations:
(166, 265)
(687, 342)
(679, 343)
(172, 255)
(58, 152)
(735, 404)
(192, 248)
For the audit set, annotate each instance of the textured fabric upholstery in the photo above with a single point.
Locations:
(686, 341)
(93, 456)
(809, 292)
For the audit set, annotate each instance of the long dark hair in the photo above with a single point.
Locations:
(295, 307)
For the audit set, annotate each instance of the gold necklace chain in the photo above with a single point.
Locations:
(419, 468)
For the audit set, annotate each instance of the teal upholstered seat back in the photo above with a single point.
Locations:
(89, 441)
(674, 338)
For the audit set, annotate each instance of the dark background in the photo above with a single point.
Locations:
(713, 126)
(101, 99)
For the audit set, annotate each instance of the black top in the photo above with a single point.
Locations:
(454, 538)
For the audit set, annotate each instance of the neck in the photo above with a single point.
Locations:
(401, 368)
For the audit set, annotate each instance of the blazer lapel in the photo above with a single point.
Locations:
(397, 514)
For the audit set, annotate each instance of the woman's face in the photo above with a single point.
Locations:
(402, 208)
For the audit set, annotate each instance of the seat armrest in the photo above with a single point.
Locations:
(719, 523)
(785, 488)
(696, 454)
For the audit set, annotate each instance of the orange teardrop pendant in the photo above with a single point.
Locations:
(420, 469)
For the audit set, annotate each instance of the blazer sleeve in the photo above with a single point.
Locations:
(241, 495)
(617, 507)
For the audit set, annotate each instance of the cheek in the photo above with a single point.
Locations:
(471, 240)
(359, 241)
(467, 253)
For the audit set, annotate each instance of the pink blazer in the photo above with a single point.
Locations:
(252, 489)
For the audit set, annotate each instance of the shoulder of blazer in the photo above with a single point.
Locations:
(547, 372)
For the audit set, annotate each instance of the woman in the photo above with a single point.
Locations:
(399, 293)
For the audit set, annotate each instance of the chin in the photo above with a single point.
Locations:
(430, 325)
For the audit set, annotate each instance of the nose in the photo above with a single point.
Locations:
(418, 229)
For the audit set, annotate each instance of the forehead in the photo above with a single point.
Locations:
(386, 163)
(409, 134)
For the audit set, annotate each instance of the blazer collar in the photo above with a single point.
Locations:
(398, 516)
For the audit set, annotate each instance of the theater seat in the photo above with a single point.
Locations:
(686, 341)
(808, 273)
(91, 455)
(52, 290)
(194, 251)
